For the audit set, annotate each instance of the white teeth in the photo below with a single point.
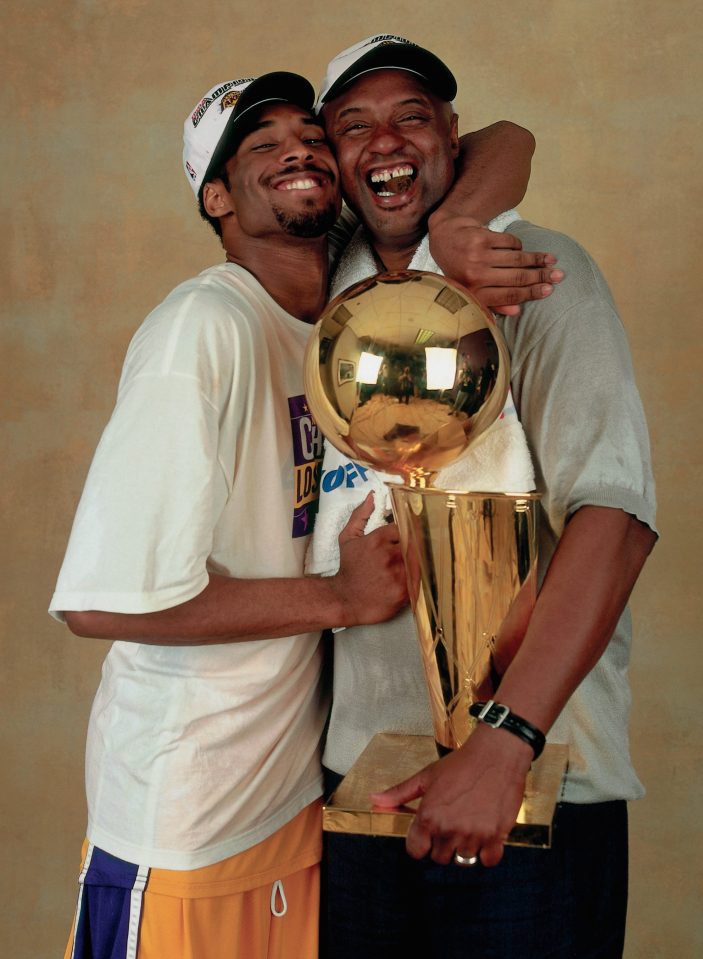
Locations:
(299, 185)
(383, 176)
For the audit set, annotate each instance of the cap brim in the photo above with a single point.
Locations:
(281, 87)
(399, 56)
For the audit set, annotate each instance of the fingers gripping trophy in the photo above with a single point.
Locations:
(403, 373)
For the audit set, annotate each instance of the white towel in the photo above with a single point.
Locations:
(499, 461)
(357, 262)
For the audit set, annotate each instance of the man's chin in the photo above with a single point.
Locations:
(395, 222)
(307, 224)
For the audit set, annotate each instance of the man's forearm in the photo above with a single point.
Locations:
(471, 797)
(369, 587)
(493, 171)
(590, 578)
(227, 610)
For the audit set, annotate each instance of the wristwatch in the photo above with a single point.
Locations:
(500, 717)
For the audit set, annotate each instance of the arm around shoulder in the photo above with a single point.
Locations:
(493, 171)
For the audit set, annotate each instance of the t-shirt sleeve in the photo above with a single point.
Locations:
(158, 482)
(579, 404)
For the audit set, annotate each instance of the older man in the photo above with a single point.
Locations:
(387, 108)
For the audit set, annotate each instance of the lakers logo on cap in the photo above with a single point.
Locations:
(385, 39)
(229, 100)
(208, 100)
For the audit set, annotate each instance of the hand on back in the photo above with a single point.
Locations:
(493, 266)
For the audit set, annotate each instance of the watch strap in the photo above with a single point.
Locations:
(500, 717)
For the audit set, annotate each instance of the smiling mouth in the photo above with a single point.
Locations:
(392, 181)
(307, 178)
(301, 183)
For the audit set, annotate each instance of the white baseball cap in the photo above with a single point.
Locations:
(385, 52)
(212, 129)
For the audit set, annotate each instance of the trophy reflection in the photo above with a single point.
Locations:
(403, 373)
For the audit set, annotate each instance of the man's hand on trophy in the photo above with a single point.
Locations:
(470, 799)
(371, 582)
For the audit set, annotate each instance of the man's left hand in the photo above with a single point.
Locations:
(470, 798)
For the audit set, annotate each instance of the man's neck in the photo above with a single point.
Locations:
(293, 271)
(394, 255)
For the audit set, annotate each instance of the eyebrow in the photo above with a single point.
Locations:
(422, 101)
(307, 121)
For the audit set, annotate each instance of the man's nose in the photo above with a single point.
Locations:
(295, 150)
(386, 140)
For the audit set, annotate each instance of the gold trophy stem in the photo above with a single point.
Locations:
(470, 559)
(471, 563)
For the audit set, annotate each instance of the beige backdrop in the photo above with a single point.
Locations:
(99, 224)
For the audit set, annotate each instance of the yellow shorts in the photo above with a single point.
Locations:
(249, 906)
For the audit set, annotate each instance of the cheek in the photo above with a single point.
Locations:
(347, 159)
(241, 184)
(442, 170)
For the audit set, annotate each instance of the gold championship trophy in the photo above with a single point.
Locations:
(403, 372)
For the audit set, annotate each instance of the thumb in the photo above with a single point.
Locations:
(404, 792)
(356, 523)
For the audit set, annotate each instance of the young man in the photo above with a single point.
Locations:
(202, 766)
(202, 763)
(387, 110)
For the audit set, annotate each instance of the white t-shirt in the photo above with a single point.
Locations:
(210, 463)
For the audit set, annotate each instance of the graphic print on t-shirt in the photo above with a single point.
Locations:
(307, 460)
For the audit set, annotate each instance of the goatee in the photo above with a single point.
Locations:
(315, 223)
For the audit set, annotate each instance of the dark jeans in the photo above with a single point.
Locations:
(567, 902)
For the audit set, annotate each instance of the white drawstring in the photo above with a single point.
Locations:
(278, 890)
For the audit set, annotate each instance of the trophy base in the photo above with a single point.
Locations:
(391, 757)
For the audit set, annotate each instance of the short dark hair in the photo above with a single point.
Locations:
(214, 221)
(244, 128)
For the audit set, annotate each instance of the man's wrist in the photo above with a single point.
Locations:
(447, 211)
(336, 604)
(499, 716)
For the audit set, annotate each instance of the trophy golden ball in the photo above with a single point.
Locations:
(404, 371)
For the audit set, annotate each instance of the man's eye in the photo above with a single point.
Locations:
(263, 146)
(354, 128)
(315, 140)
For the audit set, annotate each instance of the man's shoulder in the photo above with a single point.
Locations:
(583, 282)
(221, 297)
(209, 315)
(224, 286)
(569, 252)
(581, 307)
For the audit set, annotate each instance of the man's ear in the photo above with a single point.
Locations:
(454, 135)
(217, 201)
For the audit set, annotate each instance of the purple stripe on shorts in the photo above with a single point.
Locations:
(102, 929)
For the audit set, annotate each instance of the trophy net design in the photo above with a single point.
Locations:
(471, 562)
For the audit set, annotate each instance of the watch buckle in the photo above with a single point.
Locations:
(494, 722)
